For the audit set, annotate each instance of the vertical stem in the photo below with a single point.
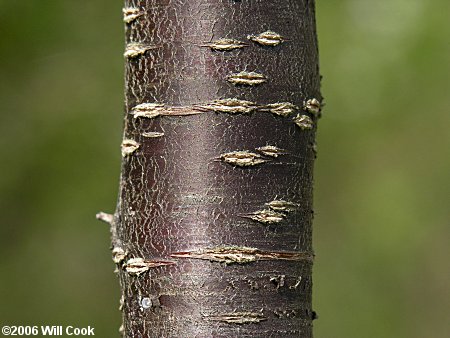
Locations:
(212, 232)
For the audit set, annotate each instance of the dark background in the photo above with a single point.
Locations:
(382, 186)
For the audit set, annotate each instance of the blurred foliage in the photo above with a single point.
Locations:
(382, 186)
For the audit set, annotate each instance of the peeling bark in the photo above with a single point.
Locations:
(194, 196)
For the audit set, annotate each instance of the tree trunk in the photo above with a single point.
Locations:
(212, 232)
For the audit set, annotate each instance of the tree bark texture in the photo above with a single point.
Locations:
(212, 232)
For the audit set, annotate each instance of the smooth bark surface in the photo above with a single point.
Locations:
(212, 232)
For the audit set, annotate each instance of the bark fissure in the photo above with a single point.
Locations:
(267, 38)
(136, 266)
(266, 216)
(231, 106)
(242, 255)
(243, 158)
(239, 317)
(272, 151)
(225, 44)
(247, 78)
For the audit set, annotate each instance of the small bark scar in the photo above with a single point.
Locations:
(225, 44)
(312, 106)
(279, 281)
(246, 78)
(153, 134)
(283, 206)
(304, 122)
(137, 266)
(283, 109)
(268, 38)
(136, 49)
(266, 216)
(271, 151)
(118, 255)
(147, 110)
(242, 158)
(297, 283)
(241, 255)
(238, 317)
(130, 14)
(231, 106)
(128, 147)
(149, 302)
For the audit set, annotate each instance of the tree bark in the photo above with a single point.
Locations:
(212, 231)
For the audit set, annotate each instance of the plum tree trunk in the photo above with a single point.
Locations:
(212, 231)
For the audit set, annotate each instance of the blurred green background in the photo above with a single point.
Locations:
(382, 176)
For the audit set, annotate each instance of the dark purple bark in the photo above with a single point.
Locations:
(212, 233)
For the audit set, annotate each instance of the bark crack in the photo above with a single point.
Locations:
(242, 255)
(238, 317)
(242, 158)
(225, 44)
